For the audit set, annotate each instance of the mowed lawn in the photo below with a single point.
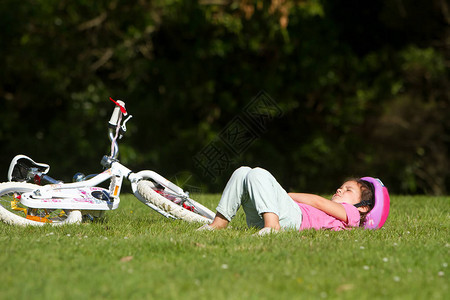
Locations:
(135, 253)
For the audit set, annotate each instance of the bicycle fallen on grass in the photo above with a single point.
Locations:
(25, 201)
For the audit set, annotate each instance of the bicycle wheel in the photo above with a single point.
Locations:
(181, 207)
(15, 213)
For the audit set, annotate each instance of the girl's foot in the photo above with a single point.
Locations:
(266, 231)
(205, 227)
(219, 222)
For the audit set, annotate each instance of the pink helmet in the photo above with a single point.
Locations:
(377, 216)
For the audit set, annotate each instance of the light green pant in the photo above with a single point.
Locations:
(258, 192)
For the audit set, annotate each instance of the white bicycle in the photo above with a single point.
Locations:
(57, 203)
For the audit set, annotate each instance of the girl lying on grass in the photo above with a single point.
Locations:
(268, 206)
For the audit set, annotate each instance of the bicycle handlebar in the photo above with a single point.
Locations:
(117, 125)
(120, 108)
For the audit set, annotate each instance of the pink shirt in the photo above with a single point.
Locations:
(317, 219)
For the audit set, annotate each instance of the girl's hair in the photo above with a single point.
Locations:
(367, 199)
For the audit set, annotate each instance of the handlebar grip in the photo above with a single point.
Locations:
(116, 113)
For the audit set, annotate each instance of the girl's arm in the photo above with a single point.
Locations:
(334, 209)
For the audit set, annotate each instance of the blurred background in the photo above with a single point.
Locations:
(360, 88)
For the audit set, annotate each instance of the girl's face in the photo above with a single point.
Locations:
(349, 192)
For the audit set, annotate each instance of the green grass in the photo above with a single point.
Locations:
(137, 254)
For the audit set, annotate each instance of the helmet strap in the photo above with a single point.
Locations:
(363, 203)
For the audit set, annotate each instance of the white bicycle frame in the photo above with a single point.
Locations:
(45, 196)
(116, 174)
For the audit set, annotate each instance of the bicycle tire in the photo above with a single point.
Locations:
(147, 190)
(14, 213)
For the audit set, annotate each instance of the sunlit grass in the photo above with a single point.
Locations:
(135, 253)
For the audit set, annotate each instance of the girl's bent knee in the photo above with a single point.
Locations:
(241, 172)
(257, 174)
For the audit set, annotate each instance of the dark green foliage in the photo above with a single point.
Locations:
(363, 89)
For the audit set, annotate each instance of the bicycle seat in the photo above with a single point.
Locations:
(20, 167)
